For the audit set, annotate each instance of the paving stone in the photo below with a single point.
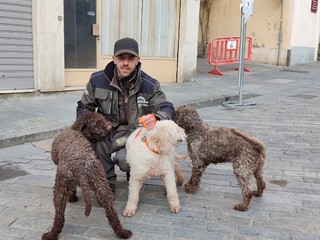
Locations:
(285, 119)
(11, 233)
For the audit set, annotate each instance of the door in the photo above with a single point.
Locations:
(81, 37)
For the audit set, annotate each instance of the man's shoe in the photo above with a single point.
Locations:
(128, 176)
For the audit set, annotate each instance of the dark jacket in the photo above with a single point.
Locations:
(144, 97)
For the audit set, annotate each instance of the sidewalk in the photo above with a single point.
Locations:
(37, 116)
(286, 119)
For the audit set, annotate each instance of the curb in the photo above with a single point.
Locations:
(43, 135)
(27, 138)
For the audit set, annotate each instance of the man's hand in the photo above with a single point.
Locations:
(148, 121)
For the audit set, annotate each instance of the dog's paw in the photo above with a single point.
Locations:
(256, 193)
(188, 188)
(73, 198)
(129, 212)
(240, 207)
(174, 208)
(124, 234)
(49, 236)
(180, 182)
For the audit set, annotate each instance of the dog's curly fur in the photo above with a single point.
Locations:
(145, 163)
(207, 144)
(73, 151)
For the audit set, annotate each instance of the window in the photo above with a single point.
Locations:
(151, 22)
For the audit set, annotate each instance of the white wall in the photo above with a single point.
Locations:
(48, 44)
(188, 39)
(304, 22)
(305, 33)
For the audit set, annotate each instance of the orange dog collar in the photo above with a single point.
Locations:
(145, 140)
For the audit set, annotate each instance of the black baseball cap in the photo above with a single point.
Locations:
(126, 45)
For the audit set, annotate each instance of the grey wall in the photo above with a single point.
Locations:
(299, 55)
(16, 47)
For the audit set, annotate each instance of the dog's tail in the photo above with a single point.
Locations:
(258, 145)
(85, 188)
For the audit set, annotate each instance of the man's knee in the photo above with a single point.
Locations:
(120, 159)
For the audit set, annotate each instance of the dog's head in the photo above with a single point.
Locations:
(165, 135)
(187, 117)
(94, 126)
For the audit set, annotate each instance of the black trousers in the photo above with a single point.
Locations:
(109, 162)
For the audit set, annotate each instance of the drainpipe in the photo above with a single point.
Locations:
(280, 32)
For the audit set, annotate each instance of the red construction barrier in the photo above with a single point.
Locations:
(226, 51)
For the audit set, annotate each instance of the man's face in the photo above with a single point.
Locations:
(125, 63)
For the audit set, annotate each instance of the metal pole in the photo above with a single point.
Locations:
(242, 104)
(241, 55)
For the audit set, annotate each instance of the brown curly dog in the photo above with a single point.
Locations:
(73, 151)
(207, 144)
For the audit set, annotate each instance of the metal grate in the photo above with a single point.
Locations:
(305, 96)
(280, 182)
(9, 171)
(294, 71)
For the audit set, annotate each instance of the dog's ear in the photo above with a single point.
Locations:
(181, 133)
(79, 123)
(83, 127)
(85, 130)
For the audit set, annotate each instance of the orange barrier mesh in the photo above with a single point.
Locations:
(226, 51)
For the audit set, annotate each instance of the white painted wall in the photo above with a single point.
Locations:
(305, 33)
(304, 22)
(188, 40)
(48, 44)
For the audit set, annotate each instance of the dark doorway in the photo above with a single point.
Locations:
(79, 44)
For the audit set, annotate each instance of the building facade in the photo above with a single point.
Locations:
(284, 32)
(56, 45)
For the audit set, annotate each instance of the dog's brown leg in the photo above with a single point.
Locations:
(246, 192)
(60, 197)
(261, 184)
(73, 194)
(244, 205)
(106, 201)
(197, 170)
(104, 196)
(179, 174)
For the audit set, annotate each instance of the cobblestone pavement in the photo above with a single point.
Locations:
(286, 118)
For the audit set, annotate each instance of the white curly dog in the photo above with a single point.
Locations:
(152, 153)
